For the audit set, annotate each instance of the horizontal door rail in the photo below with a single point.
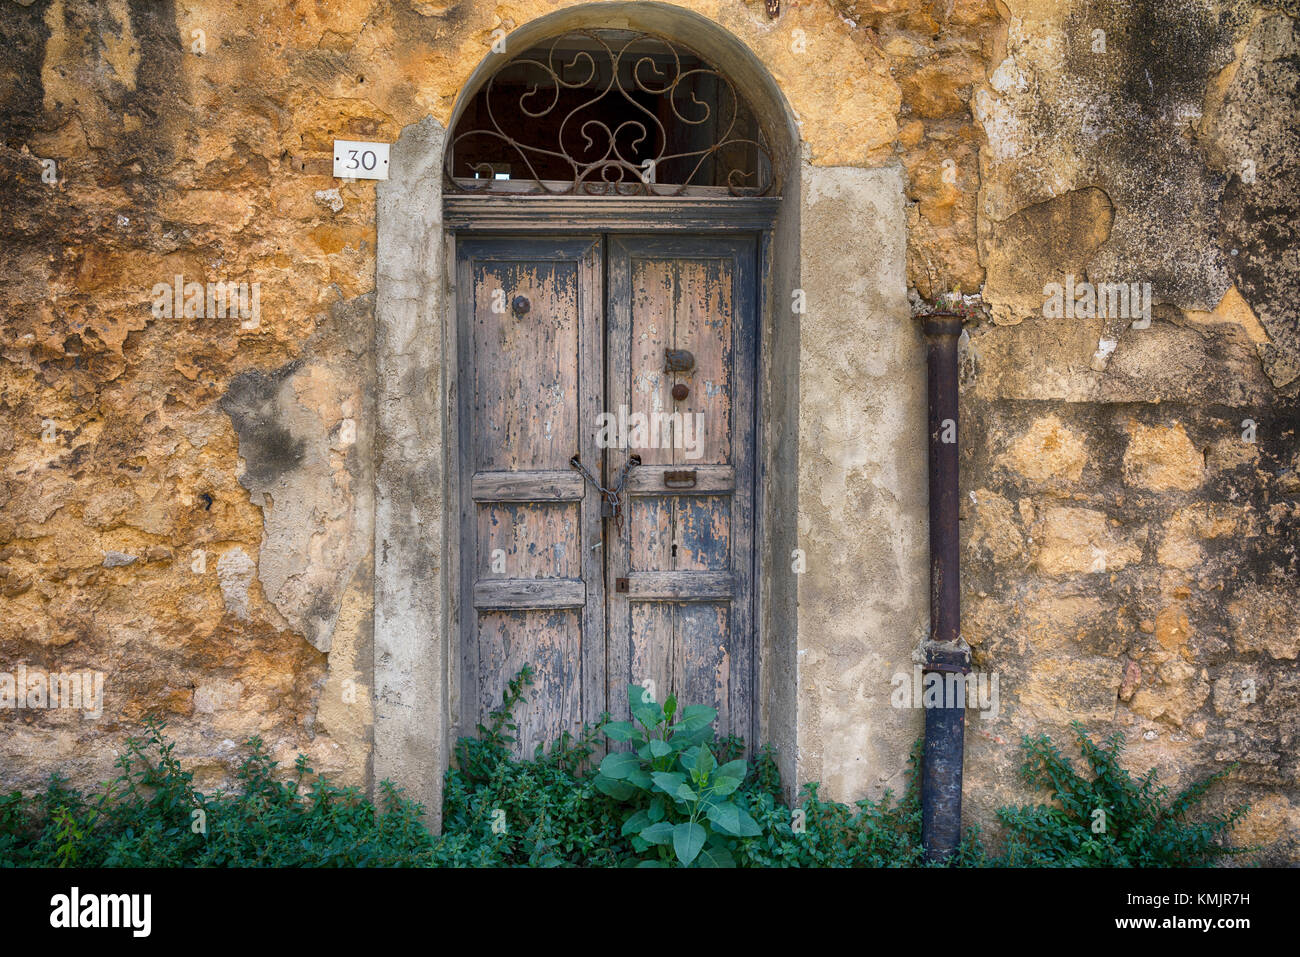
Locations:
(525, 593)
(540, 486)
(709, 480)
(680, 586)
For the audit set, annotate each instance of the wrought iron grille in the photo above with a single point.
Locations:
(608, 112)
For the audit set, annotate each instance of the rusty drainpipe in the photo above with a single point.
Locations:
(945, 652)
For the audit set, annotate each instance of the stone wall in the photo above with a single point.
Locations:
(187, 504)
(1131, 518)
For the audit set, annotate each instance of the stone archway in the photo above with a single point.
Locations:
(416, 547)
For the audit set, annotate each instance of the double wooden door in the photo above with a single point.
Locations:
(603, 348)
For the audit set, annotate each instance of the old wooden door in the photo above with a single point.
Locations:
(575, 346)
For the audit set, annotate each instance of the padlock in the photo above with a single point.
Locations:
(606, 508)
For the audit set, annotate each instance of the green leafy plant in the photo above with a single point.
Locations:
(822, 833)
(151, 815)
(545, 812)
(68, 836)
(679, 795)
(1112, 819)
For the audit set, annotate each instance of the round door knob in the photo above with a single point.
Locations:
(680, 391)
(521, 305)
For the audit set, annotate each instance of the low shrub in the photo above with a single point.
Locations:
(679, 796)
(1110, 820)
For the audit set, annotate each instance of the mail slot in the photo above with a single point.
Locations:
(681, 478)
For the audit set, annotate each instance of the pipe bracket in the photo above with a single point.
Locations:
(946, 657)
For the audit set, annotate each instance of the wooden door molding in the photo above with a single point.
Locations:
(692, 213)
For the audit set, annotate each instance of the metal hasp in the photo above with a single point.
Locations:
(611, 499)
(947, 657)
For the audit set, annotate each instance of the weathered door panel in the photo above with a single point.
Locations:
(685, 621)
(531, 384)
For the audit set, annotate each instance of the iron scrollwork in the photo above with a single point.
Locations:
(632, 156)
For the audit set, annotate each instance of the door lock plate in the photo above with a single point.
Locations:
(679, 478)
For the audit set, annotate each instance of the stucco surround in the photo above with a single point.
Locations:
(842, 457)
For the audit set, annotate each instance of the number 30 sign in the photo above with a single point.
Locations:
(353, 160)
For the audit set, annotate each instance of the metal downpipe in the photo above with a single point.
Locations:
(947, 658)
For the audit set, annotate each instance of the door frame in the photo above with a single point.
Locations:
(412, 666)
(469, 217)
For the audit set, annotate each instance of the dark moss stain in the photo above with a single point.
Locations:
(1138, 101)
(23, 36)
(321, 615)
(1271, 557)
(437, 30)
(1290, 7)
(268, 448)
(1164, 56)
(353, 321)
(1260, 215)
(153, 24)
(1158, 53)
(43, 223)
(135, 156)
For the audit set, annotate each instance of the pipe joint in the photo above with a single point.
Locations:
(951, 658)
(938, 324)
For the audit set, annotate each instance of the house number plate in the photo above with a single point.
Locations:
(356, 160)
